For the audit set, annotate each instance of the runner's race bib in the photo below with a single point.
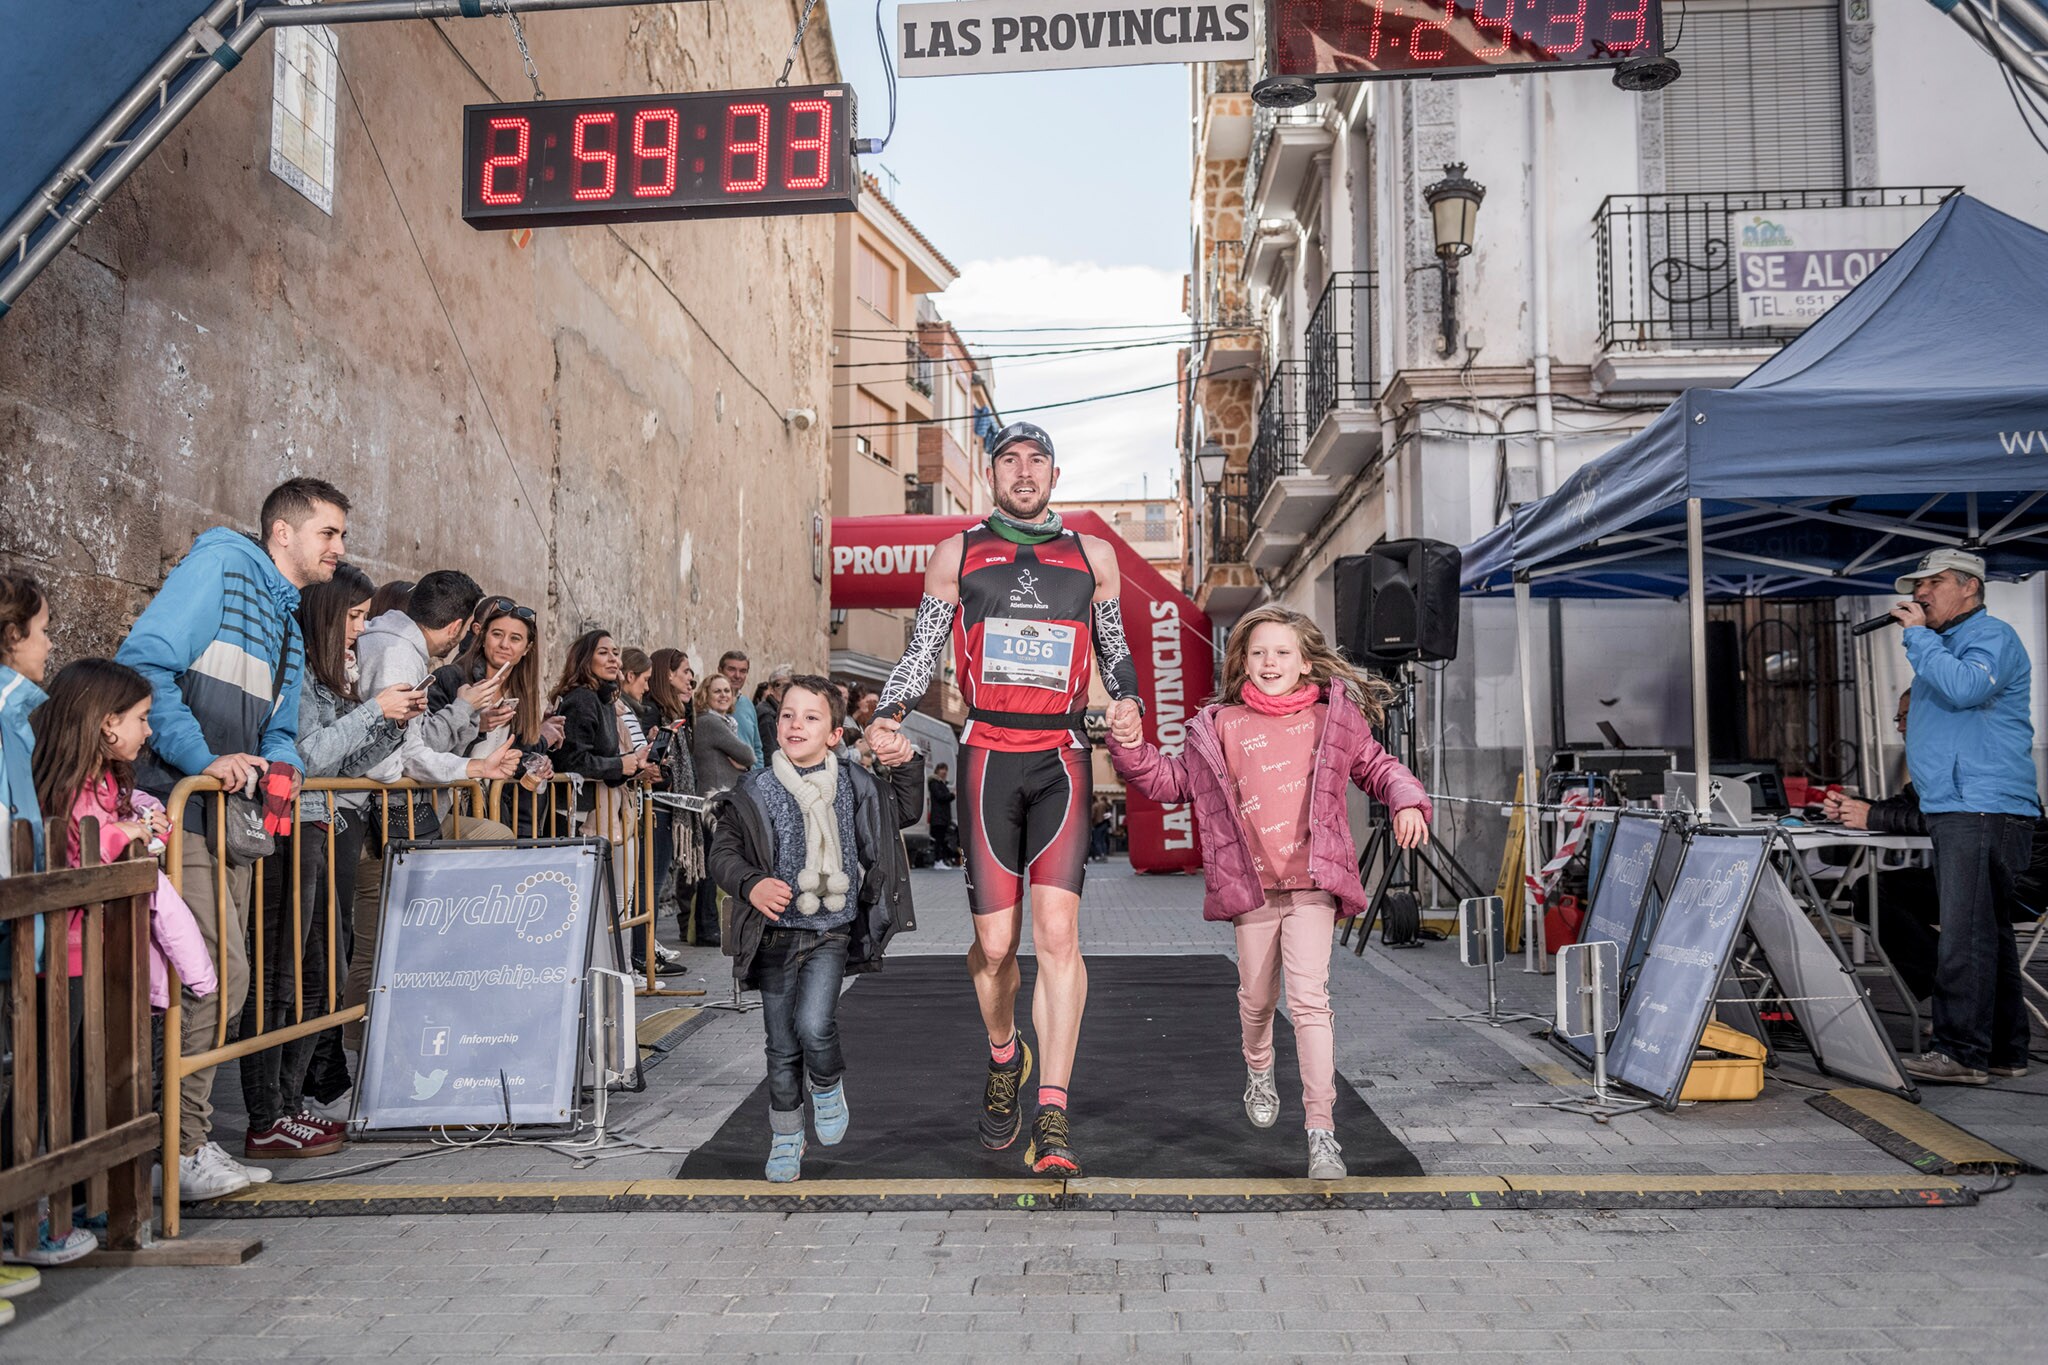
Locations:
(1026, 653)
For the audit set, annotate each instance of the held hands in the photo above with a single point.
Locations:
(1410, 829)
(1126, 723)
(633, 764)
(553, 729)
(1909, 614)
(1846, 811)
(771, 897)
(400, 703)
(885, 740)
(499, 764)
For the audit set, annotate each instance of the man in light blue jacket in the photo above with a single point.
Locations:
(220, 647)
(1970, 748)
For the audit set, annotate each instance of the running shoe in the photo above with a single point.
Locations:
(290, 1138)
(1051, 1151)
(1002, 1118)
(785, 1157)
(19, 1279)
(1325, 1157)
(1261, 1098)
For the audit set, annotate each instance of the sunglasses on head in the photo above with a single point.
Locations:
(504, 606)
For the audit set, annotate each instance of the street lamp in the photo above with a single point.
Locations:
(1209, 462)
(1453, 211)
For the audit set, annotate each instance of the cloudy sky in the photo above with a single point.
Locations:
(1063, 198)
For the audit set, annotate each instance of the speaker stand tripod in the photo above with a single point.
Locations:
(1399, 866)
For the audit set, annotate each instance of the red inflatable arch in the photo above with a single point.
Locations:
(880, 562)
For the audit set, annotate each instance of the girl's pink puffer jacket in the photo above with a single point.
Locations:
(1349, 753)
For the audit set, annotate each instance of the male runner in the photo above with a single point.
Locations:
(1024, 602)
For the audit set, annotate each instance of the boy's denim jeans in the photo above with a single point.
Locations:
(800, 971)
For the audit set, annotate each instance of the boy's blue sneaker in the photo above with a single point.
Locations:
(786, 1157)
(828, 1113)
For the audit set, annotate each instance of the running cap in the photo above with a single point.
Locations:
(1015, 434)
(1962, 561)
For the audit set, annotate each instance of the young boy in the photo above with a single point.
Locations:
(813, 845)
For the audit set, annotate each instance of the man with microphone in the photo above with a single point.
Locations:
(1970, 748)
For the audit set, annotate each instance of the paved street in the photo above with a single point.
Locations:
(1719, 1285)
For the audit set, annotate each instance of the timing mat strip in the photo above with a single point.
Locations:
(1927, 1142)
(1623, 1191)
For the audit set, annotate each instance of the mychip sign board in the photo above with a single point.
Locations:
(476, 1009)
(1792, 265)
(971, 37)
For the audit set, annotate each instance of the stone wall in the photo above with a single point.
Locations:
(589, 419)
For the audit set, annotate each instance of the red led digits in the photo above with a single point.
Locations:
(1575, 20)
(605, 157)
(665, 153)
(1440, 29)
(1635, 23)
(513, 161)
(820, 144)
(1506, 25)
(755, 146)
(1372, 42)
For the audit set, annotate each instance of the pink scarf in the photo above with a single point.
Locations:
(1286, 704)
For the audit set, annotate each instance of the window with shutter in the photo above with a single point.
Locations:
(1760, 104)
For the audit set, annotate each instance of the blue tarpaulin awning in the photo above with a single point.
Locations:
(1913, 414)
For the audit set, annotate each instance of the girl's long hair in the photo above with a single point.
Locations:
(674, 705)
(70, 752)
(21, 597)
(522, 682)
(323, 620)
(1321, 661)
(578, 670)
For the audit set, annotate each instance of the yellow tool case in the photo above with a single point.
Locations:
(1729, 1065)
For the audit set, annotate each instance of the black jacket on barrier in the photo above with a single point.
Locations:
(590, 741)
(743, 855)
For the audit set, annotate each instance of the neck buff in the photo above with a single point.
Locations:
(1024, 532)
(1286, 704)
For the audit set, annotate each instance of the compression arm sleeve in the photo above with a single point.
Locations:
(1112, 654)
(914, 672)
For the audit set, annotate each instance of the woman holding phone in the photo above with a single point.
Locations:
(506, 646)
(587, 696)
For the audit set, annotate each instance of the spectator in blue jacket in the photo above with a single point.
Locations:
(1970, 748)
(733, 663)
(24, 653)
(220, 647)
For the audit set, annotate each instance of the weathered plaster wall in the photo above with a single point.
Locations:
(215, 332)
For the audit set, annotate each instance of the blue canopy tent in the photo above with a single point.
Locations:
(1914, 414)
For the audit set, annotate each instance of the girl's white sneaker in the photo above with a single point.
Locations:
(1261, 1100)
(1325, 1157)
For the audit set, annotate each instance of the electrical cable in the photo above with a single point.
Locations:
(876, 146)
(990, 331)
(1037, 407)
(2013, 88)
(525, 498)
(1058, 353)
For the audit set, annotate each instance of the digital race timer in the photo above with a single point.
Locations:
(726, 154)
(1357, 38)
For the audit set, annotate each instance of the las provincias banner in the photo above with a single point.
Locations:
(880, 562)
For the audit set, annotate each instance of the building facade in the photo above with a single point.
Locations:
(593, 420)
(1353, 407)
(910, 401)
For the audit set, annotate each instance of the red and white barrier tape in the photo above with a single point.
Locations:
(1539, 884)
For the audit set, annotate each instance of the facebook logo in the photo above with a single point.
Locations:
(434, 1042)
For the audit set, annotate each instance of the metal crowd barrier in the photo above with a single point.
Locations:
(177, 1064)
(107, 1146)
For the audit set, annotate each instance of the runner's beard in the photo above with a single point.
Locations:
(1035, 511)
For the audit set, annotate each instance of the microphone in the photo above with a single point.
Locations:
(1875, 623)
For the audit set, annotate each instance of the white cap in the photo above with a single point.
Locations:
(1962, 561)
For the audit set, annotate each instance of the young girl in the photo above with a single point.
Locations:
(1265, 768)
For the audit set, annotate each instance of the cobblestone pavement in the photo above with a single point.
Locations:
(1732, 1284)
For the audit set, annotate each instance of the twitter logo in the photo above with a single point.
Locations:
(427, 1086)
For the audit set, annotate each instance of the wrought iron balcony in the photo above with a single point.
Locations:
(1229, 521)
(1226, 78)
(1339, 348)
(918, 367)
(1277, 445)
(1667, 262)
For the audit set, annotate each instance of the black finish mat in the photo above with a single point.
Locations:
(1158, 1085)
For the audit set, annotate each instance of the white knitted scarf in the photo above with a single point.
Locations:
(823, 880)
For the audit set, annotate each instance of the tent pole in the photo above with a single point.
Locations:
(1532, 922)
(1696, 616)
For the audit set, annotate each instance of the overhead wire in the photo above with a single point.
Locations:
(1037, 407)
